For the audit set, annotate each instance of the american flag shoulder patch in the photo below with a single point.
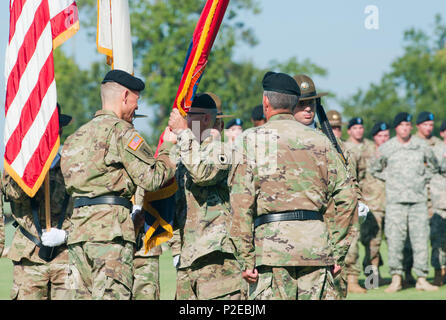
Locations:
(135, 142)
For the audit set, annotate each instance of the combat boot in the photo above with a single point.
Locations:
(423, 285)
(438, 279)
(353, 285)
(395, 285)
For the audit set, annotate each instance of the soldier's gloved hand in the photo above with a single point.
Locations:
(54, 237)
(176, 261)
(362, 211)
(137, 217)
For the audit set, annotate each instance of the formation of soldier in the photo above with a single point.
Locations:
(274, 212)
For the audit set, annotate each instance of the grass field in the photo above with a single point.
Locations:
(168, 279)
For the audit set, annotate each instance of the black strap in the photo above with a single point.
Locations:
(288, 216)
(112, 200)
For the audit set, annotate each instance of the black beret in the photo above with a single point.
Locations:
(257, 113)
(379, 126)
(400, 117)
(203, 100)
(125, 79)
(280, 82)
(443, 126)
(425, 116)
(234, 122)
(64, 119)
(354, 121)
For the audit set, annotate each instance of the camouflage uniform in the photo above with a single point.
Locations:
(34, 278)
(146, 276)
(406, 169)
(361, 153)
(407, 253)
(208, 269)
(107, 156)
(294, 258)
(438, 220)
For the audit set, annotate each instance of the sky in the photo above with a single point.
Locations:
(338, 35)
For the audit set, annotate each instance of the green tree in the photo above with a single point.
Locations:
(162, 31)
(415, 83)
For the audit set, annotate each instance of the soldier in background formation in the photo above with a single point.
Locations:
(373, 192)
(286, 197)
(425, 127)
(438, 220)
(406, 163)
(361, 150)
(40, 257)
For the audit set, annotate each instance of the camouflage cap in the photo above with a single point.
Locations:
(334, 118)
(307, 88)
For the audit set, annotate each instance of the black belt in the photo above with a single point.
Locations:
(112, 200)
(288, 216)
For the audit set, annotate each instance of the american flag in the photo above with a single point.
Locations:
(31, 136)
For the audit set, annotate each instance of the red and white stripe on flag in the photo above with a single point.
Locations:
(31, 135)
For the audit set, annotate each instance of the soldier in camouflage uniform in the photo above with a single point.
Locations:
(305, 114)
(425, 127)
(438, 220)
(361, 149)
(146, 277)
(281, 183)
(103, 162)
(35, 278)
(373, 192)
(406, 164)
(207, 266)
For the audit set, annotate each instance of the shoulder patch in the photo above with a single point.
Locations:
(135, 142)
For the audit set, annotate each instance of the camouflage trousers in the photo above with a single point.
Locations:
(294, 283)
(352, 265)
(371, 237)
(101, 270)
(35, 281)
(438, 239)
(215, 276)
(402, 221)
(146, 278)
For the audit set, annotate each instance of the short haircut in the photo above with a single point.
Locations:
(279, 100)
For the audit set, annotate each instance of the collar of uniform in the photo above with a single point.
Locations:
(105, 112)
(281, 116)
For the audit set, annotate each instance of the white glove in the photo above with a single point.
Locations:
(54, 237)
(362, 211)
(176, 261)
(135, 209)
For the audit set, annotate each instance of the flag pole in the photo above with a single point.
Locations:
(47, 202)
